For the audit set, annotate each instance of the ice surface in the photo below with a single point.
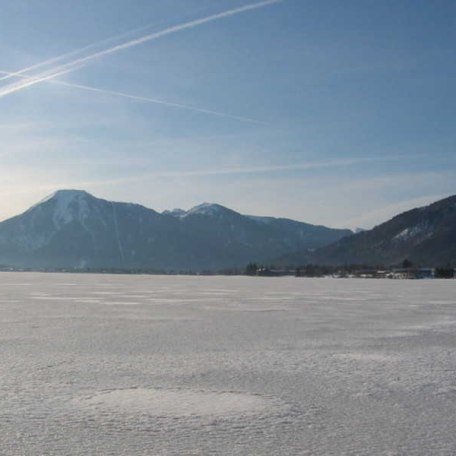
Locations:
(177, 403)
(226, 366)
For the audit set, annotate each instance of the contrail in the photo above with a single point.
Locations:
(61, 69)
(9, 75)
(143, 99)
(162, 102)
(28, 81)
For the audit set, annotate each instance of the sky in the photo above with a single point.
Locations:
(328, 112)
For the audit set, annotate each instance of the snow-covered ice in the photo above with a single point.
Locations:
(175, 403)
(152, 365)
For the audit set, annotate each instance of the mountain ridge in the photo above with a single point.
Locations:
(424, 235)
(74, 229)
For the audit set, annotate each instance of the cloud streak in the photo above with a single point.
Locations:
(296, 167)
(303, 166)
(143, 99)
(77, 63)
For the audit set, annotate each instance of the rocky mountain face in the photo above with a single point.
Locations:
(73, 229)
(426, 236)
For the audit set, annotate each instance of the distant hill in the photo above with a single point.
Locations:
(426, 236)
(73, 229)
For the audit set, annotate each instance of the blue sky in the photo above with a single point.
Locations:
(330, 112)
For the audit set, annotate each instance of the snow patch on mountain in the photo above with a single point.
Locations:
(207, 209)
(408, 233)
(70, 205)
(175, 212)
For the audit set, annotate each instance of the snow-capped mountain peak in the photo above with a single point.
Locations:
(209, 209)
(69, 205)
(205, 209)
(65, 195)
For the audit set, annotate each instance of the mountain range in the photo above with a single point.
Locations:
(425, 236)
(73, 229)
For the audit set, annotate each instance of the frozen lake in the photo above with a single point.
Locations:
(153, 365)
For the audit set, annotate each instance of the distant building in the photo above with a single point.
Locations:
(269, 272)
(412, 273)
